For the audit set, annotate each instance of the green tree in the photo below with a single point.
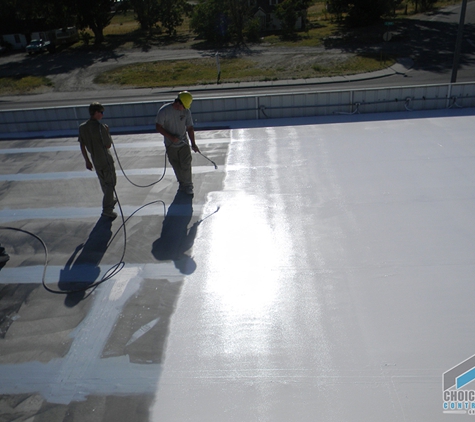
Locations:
(8, 16)
(55, 14)
(287, 16)
(222, 21)
(94, 14)
(151, 13)
(423, 5)
(238, 13)
(288, 12)
(393, 5)
(48, 14)
(210, 21)
(147, 13)
(337, 8)
(172, 14)
(366, 12)
(35, 15)
(58, 14)
(252, 29)
(363, 12)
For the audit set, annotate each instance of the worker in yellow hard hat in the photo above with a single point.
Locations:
(175, 123)
(185, 98)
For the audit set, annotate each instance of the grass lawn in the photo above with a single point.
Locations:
(22, 84)
(204, 72)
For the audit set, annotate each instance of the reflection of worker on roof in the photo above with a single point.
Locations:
(174, 122)
(175, 239)
(95, 139)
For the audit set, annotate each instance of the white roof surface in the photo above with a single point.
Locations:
(339, 276)
(332, 278)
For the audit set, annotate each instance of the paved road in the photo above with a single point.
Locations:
(451, 14)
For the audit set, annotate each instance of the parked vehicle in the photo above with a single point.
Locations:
(68, 35)
(38, 46)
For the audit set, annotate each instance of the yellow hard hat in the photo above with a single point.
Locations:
(185, 98)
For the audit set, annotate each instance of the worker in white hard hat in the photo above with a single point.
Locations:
(175, 123)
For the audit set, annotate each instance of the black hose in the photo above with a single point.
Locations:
(140, 186)
(111, 272)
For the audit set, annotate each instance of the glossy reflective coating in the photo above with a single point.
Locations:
(324, 272)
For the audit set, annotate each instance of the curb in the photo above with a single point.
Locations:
(401, 67)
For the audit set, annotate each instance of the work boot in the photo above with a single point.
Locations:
(109, 214)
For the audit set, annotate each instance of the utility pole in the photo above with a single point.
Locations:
(458, 43)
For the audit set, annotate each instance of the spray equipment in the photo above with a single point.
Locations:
(211, 161)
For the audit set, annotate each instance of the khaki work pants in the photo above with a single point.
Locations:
(108, 180)
(180, 159)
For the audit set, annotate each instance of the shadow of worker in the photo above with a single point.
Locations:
(82, 268)
(175, 239)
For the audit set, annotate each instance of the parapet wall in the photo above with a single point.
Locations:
(141, 115)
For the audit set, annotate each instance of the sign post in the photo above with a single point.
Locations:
(218, 67)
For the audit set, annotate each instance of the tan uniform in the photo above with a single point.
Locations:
(97, 140)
